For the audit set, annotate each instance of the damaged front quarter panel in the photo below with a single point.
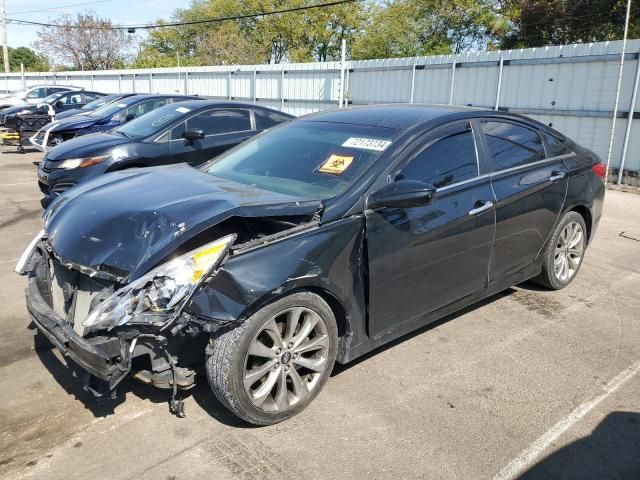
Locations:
(258, 272)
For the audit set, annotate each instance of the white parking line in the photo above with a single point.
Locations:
(529, 455)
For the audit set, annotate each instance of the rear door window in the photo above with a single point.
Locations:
(451, 158)
(221, 120)
(38, 93)
(512, 145)
(142, 108)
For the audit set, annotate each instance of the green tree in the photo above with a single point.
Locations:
(427, 27)
(535, 23)
(313, 34)
(31, 60)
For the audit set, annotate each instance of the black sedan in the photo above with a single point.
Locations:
(313, 243)
(191, 131)
(102, 119)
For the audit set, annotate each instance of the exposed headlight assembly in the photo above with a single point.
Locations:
(162, 290)
(82, 162)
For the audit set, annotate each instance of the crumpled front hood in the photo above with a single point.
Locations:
(125, 222)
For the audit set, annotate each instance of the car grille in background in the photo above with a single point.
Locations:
(61, 187)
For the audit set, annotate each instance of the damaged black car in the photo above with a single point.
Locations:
(312, 243)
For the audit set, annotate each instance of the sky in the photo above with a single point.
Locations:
(123, 12)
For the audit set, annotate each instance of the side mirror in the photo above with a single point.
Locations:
(402, 194)
(129, 117)
(193, 134)
(59, 104)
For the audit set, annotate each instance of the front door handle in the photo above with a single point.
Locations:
(555, 176)
(486, 205)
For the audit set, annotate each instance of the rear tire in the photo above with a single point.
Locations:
(564, 252)
(273, 365)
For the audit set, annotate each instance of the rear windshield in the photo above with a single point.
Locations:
(316, 160)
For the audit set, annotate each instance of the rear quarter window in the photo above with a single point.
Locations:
(556, 146)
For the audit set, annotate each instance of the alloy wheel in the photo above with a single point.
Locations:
(286, 359)
(568, 252)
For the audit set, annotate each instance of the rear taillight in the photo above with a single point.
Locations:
(600, 169)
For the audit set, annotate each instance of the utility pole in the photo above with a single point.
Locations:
(5, 48)
(618, 88)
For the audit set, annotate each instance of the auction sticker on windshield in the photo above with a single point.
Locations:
(336, 164)
(183, 110)
(367, 143)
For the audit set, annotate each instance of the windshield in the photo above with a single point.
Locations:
(99, 102)
(112, 108)
(152, 122)
(315, 160)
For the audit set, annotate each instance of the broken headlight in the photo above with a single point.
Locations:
(162, 290)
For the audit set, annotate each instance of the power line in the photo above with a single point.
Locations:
(194, 22)
(53, 9)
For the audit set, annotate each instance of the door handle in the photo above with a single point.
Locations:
(486, 205)
(555, 176)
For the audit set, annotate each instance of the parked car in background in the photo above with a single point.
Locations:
(192, 131)
(33, 94)
(51, 105)
(94, 105)
(317, 241)
(101, 120)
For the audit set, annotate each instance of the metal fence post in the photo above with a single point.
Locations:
(150, 82)
(229, 85)
(453, 82)
(186, 82)
(346, 100)
(133, 82)
(119, 83)
(255, 86)
(632, 107)
(282, 89)
(343, 54)
(413, 80)
(499, 86)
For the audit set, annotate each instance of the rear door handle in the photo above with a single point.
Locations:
(555, 176)
(486, 205)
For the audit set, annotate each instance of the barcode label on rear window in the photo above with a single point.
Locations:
(367, 143)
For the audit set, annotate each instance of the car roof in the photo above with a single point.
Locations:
(206, 103)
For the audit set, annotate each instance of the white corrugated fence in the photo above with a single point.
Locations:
(570, 87)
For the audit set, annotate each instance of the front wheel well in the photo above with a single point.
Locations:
(586, 215)
(334, 303)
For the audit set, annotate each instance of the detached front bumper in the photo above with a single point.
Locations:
(106, 358)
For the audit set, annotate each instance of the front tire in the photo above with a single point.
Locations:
(273, 365)
(564, 252)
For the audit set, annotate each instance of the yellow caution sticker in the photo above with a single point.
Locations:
(336, 164)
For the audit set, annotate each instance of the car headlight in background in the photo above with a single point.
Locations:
(162, 290)
(82, 162)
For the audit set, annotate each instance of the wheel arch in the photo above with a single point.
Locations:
(584, 211)
(337, 306)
